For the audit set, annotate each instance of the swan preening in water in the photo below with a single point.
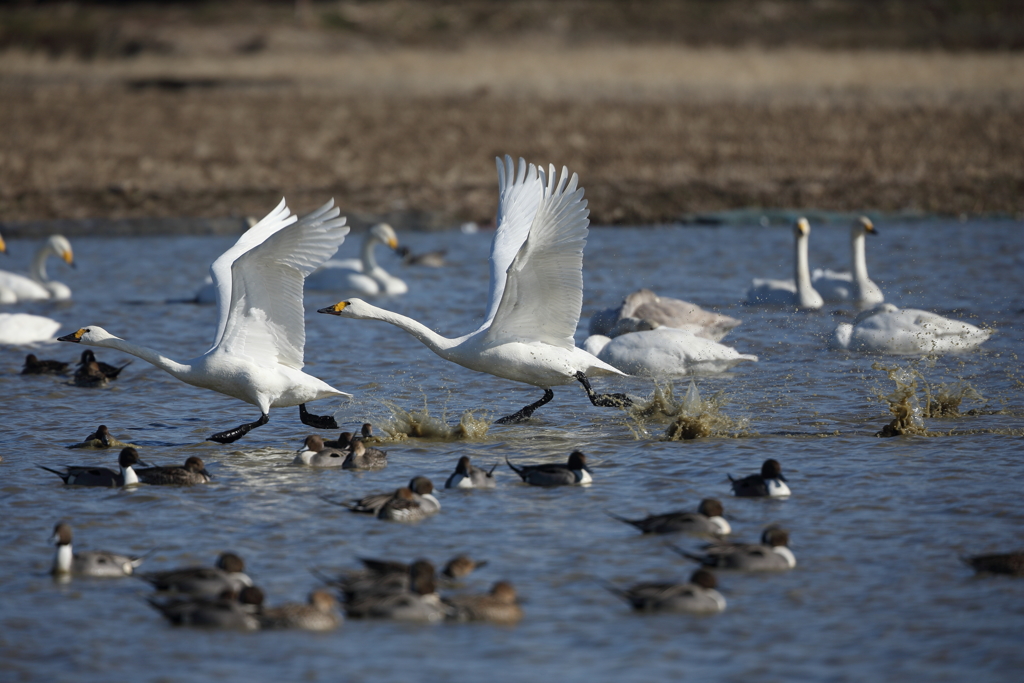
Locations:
(536, 292)
(361, 275)
(256, 356)
(798, 292)
(645, 310)
(665, 352)
(907, 331)
(854, 286)
(38, 287)
(24, 328)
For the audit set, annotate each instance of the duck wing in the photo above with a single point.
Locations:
(543, 292)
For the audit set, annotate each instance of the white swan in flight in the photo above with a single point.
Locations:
(907, 331)
(855, 286)
(38, 287)
(256, 356)
(798, 292)
(645, 310)
(665, 352)
(362, 275)
(22, 328)
(535, 296)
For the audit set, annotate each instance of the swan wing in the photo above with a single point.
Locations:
(265, 318)
(519, 195)
(543, 291)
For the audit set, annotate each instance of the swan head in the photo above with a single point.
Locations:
(864, 225)
(59, 246)
(802, 227)
(386, 234)
(3, 245)
(88, 335)
(353, 308)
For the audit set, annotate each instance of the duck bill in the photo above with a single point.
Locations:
(336, 309)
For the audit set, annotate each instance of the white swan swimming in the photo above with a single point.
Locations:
(854, 286)
(797, 292)
(22, 329)
(536, 292)
(38, 287)
(257, 354)
(362, 275)
(907, 331)
(645, 310)
(665, 352)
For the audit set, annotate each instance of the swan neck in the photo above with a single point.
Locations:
(860, 263)
(369, 262)
(432, 340)
(803, 273)
(38, 271)
(147, 354)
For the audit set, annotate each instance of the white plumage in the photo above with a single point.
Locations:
(38, 287)
(853, 286)
(907, 331)
(23, 328)
(798, 292)
(257, 353)
(665, 352)
(362, 276)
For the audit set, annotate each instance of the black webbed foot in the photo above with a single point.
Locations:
(316, 421)
(603, 400)
(524, 413)
(238, 432)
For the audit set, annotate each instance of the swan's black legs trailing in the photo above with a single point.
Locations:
(525, 413)
(316, 421)
(238, 432)
(603, 400)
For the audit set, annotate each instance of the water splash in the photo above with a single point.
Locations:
(690, 417)
(936, 401)
(420, 424)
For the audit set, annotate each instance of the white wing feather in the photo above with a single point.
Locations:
(265, 320)
(543, 291)
(518, 198)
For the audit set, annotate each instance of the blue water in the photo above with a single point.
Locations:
(877, 525)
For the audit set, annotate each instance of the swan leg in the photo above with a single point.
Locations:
(603, 400)
(524, 414)
(317, 421)
(238, 432)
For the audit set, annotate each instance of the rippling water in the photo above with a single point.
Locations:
(877, 525)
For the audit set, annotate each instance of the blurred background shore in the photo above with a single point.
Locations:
(125, 111)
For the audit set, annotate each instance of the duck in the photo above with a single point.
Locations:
(771, 554)
(320, 613)
(24, 329)
(87, 475)
(416, 500)
(315, 454)
(228, 574)
(227, 611)
(846, 286)
(102, 438)
(799, 293)
(461, 566)
(998, 563)
(366, 434)
(34, 366)
(645, 310)
(361, 276)
(192, 472)
(906, 331)
(92, 563)
(90, 376)
(697, 596)
(257, 353)
(364, 457)
(378, 576)
(707, 521)
(665, 352)
(500, 606)
(769, 483)
(16, 288)
(575, 471)
(412, 504)
(344, 441)
(536, 293)
(466, 476)
(109, 371)
(418, 602)
(431, 259)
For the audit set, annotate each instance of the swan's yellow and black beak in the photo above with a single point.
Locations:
(336, 309)
(869, 227)
(803, 227)
(3, 246)
(69, 258)
(393, 243)
(73, 337)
